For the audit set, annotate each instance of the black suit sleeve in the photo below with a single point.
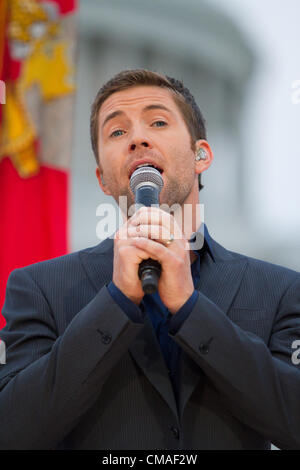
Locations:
(258, 383)
(50, 381)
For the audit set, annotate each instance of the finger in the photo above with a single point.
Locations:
(156, 216)
(132, 252)
(122, 233)
(155, 250)
(155, 232)
(150, 215)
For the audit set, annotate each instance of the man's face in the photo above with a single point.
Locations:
(139, 125)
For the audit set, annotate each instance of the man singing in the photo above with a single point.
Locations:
(205, 362)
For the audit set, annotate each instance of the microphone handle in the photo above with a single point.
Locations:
(149, 273)
(149, 269)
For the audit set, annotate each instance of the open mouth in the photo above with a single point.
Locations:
(142, 165)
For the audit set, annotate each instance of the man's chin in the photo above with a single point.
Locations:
(171, 196)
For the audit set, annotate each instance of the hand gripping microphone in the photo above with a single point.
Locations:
(146, 183)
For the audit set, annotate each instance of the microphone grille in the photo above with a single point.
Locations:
(146, 174)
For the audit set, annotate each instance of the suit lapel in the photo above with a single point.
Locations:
(219, 281)
(146, 352)
(98, 263)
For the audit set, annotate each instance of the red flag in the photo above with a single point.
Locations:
(37, 41)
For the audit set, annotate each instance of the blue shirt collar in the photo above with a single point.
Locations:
(201, 241)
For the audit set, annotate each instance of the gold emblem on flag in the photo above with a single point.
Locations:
(36, 39)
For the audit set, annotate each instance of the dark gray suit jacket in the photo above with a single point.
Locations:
(81, 375)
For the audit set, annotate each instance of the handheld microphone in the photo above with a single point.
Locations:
(146, 183)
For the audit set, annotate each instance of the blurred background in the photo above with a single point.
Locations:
(241, 62)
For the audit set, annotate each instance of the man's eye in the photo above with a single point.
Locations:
(159, 124)
(116, 133)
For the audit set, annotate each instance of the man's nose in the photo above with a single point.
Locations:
(139, 141)
(136, 145)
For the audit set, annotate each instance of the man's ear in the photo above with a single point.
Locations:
(203, 148)
(102, 184)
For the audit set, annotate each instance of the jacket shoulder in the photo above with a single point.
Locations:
(59, 269)
(257, 267)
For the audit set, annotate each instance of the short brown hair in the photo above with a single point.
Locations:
(141, 77)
